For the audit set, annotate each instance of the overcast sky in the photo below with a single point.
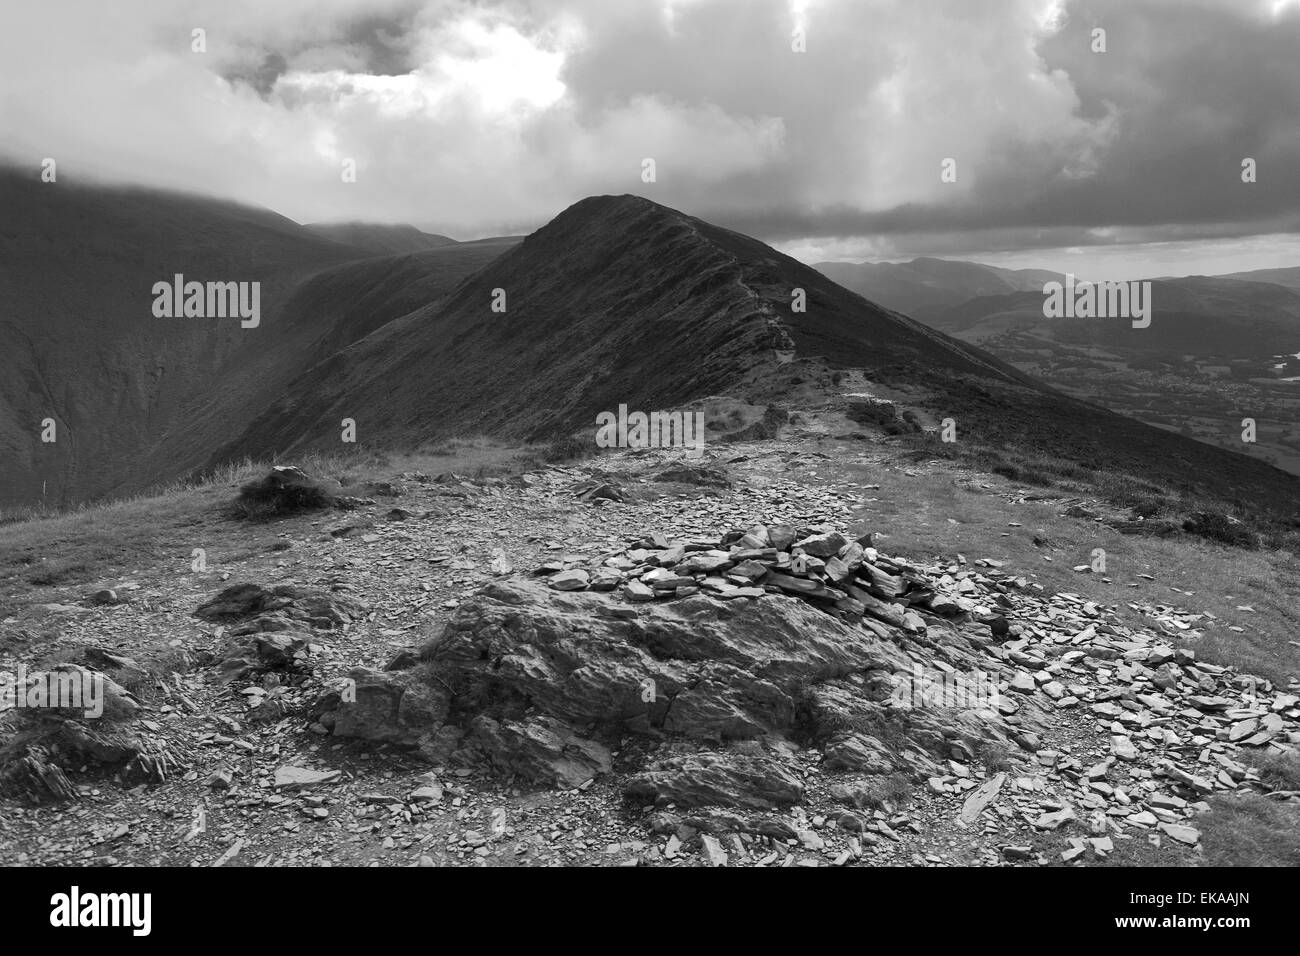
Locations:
(487, 118)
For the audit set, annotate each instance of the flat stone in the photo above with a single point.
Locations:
(810, 840)
(1023, 683)
(823, 545)
(1269, 727)
(1183, 834)
(1242, 729)
(636, 591)
(300, 778)
(981, 798)
(575, 579)
(1124, 749)
(713, 852)
(1054, 819)
(729, 780)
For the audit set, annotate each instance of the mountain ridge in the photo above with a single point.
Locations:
(710, 269)
(379, 238)
(617, 300)
(575, 340)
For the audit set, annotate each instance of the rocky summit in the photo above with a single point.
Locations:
(717, 663)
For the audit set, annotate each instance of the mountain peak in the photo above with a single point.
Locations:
(615, 201)
(598, 212)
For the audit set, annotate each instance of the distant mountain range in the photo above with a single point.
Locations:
(616, 301)
(1284, 277)
(1241, 315)
(926, 286)
(382, 240)
(1219, 348)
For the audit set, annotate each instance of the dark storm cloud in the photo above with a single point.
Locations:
(373, 44)
(263, 77)
(1183, 93)
(383, 42)
(1198, 87)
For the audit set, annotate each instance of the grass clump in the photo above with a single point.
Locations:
(285, 490)
(1279, 770)
(1250, 830)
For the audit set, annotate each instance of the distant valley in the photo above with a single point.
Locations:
(1220, 349)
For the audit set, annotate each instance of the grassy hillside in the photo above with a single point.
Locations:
(379, 239)
(616, 301)
(622, 301)
(83, 346)
(138, 399)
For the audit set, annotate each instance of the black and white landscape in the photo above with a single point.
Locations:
(655, 433)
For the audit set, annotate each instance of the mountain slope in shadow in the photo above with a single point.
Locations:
(378, 238)
(621, 301)
(616, 301)
(138, 399)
